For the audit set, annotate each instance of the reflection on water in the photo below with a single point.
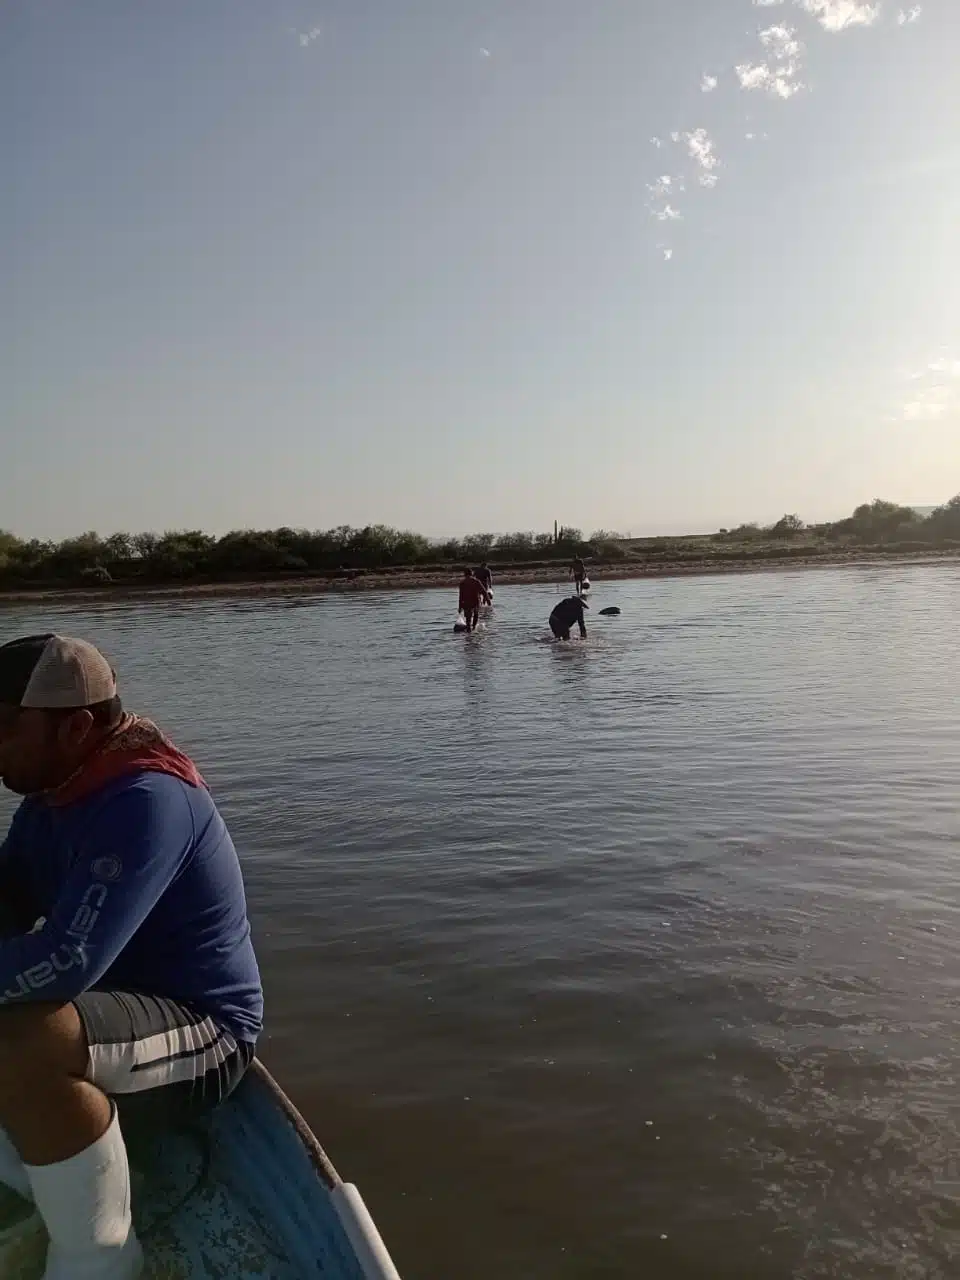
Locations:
(637, 957)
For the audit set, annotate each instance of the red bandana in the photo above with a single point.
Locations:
(135, 746)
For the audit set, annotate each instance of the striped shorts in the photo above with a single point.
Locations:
(159, 1057)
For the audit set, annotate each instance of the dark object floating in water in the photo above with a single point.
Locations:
(610, 612)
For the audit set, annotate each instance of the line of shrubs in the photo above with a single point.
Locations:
(191, 555)
(183, 556)
(877, 523)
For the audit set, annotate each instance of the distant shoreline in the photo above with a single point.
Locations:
(446, 577)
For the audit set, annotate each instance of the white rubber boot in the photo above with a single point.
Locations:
(85, 1203)
(21, 1229)
(13, 1172)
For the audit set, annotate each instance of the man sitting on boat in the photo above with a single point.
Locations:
(127, 971)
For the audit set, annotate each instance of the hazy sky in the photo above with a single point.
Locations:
(476, 264)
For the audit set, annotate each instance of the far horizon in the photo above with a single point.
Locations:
(625, 533)
(655, 267)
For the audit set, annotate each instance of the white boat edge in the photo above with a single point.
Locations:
(354, 1216)
(363, 1234)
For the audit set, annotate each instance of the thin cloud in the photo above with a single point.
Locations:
(662, 194)
(307, 37)
(924, 410)
(777, 67)
(781, 42)
(700, 149)
(662, 202)
(934, 390)
(780, 74)
(939, 372)
(778, 81)
(667, 254)
(664, 186)
(837, 15)
(485, 53)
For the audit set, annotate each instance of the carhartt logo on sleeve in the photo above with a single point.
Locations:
(41, 975)
(107, 868)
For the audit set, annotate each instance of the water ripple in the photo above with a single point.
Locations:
(643, 953)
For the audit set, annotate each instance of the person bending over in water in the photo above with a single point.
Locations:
(472, 592)
(567, 614)
(579, 573)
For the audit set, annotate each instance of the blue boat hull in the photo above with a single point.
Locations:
(248, 1194)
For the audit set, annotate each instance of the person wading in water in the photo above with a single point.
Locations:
(472, 594)
(567, 614)
(484, 576)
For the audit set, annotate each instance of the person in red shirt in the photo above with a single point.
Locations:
(472, 592)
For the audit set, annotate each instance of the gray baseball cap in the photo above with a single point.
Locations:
(54, 673)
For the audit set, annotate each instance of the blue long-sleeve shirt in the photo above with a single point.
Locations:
(140, 888)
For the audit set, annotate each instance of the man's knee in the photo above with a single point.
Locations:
(37, 1042)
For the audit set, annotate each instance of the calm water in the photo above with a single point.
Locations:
(633, 958)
